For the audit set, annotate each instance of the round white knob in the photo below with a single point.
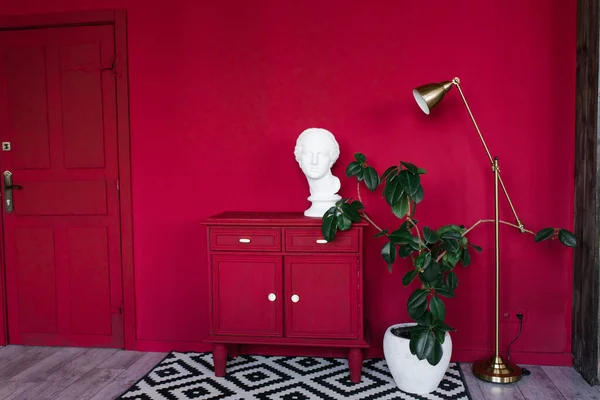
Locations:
(295, 298)
(321, 241)
(272, 297)
(244, 240)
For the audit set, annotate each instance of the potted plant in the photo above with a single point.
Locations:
(433, 254)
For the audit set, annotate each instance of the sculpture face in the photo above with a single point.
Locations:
(316, 153)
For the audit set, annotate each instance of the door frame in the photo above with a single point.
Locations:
(118, 19)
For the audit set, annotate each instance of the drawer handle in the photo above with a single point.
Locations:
(272, 297)
(295, 298)
(244, 240)
(321, 241)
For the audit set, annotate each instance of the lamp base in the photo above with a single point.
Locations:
(496, 370)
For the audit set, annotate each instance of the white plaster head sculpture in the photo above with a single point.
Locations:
(316, 151)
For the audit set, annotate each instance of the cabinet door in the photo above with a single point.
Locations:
(247, 295)
(321, 296)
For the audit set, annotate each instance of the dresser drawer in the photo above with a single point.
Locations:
(245, 239)
(311, 239)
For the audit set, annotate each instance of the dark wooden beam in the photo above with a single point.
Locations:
(586, 269)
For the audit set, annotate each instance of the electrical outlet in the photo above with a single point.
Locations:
(511, 316)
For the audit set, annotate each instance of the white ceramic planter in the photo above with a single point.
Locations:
(411, 374)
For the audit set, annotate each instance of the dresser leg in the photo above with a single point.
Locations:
(220, 359)
(234, 350)
(355, 359)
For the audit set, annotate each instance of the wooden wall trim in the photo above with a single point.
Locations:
(585, 343)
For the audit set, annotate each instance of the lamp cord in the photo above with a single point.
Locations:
(520, 317)
(518, 335)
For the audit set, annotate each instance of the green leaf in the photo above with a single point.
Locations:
(466, 257)
(418, 197)
(411, 167)
(353, 168)
(389, 254)
(440, 335)
(544, 234)
(357, 205)
(350, 212)
(392, 192)
(452, 280)
(360, 174)
(426, 320)
(421, 171)
(444, 290)
(432, 272)
(381, 233)
(452, 258)
(344, 223)
(451, 235)
(417, 303)
(424, 344)
(567, 238)
(329, 224)
(436, 353)
(414, 243)
(477, 248)
(443, 327)
(437, 308)
(449, 228)
(360, 157)
(401, 207)
(401, 236)
(423, 260)
(409, 182)
(451, 245)
(371, 178)
(393, 170)
(430, 235)
(409, 277)
(405, 251)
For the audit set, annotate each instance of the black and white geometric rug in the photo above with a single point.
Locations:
(184, 376)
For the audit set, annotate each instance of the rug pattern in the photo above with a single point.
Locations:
(186, 376)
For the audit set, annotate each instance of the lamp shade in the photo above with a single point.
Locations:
(429, 95)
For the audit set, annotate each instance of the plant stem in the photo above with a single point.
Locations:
(409, 219)
(365, 216)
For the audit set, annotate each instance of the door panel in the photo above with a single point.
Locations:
(62, 242)
(241, 286)
(36, 279)
(326, 311)
(88, 258)
(62, 198)
(25, 74)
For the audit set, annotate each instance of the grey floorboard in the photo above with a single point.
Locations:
(571, 384)
(471, 381)
(538, 386)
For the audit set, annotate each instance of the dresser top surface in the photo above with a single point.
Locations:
(260, 218)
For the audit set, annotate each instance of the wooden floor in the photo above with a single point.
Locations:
(62, 373)
(544, 383)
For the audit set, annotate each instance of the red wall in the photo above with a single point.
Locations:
(221, 90)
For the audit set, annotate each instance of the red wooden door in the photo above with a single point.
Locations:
(247, 295)
(62, 240)
(321, 310)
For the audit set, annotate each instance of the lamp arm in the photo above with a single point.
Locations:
(456, 82)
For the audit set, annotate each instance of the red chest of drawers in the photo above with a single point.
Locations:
(274, 280)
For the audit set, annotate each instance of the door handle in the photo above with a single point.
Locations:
(8, 191)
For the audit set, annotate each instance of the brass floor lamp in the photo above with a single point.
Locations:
(494, 369)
